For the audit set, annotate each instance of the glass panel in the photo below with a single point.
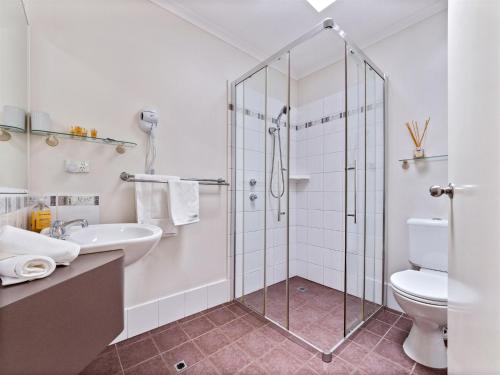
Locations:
(250, 202)
(277, 191)
(316, 190)
(374, 190)
(354, 235)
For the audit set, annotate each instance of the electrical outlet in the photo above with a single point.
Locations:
(77, 166)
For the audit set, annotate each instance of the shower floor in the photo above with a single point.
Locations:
(316, 311)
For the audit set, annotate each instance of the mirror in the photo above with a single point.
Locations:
(13, 96)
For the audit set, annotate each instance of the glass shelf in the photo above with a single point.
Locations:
(425, 158)
(406, 162)
(12, 129)
(106, 141)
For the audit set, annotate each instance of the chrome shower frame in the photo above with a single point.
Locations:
(326, 24)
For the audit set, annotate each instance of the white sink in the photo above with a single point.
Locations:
(136, 240)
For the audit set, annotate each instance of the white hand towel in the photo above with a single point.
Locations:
(152, 204)
(184, 202)
(22, 242)
(20, 268)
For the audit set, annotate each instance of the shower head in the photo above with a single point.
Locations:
(283, 111)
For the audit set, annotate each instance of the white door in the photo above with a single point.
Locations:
(474, 167)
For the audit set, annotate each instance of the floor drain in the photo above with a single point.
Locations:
(302, 289)
(179, 366)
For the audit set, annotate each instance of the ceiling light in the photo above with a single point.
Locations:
(320, 5)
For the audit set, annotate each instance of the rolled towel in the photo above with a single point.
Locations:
(22, 242)
(16, 269)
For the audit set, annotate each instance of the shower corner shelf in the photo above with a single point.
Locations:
(299, 177)
(406, 162)
(119, 144)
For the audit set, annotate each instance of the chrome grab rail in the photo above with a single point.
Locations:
(355, 169)
(203, 181)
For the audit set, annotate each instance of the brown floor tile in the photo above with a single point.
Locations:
(204, 367)
(255, 344)
(353, 353)
(396, 335)
(170, 338)
(278, 361)
(387, 316)
(236, 329)
(316, 334)
(187, 352)
(136, 338)
(197, 327)
(373, 364)
(423, 370)
(191, 317)
(395, 353)
(133, 354)
(272, 333)
(337, 366)
(106, 363)
(366, 339)
(229, 360)
(299, 351)
(236, 309)
(252, 369)
(306, 370)
(221, 316)
(163, 328)
(153, 366)
(255, 320)
(378, 327)
(212, 341)
(404, 324)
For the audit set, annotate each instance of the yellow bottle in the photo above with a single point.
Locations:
(40, 217)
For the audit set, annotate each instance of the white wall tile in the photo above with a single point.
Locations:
(218, 293)
(171, 308)
(195, 300)
(142, 318)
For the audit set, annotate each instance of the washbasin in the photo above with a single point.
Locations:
(136, 240)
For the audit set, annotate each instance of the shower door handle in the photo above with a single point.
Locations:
(355, 169)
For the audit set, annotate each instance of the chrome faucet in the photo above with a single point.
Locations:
(59, 227)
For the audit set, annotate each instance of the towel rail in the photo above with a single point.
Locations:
(203, 181)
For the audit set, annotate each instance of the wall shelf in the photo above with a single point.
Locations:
(299, 177)
(52, 139)
(406, 162)
(12, 129)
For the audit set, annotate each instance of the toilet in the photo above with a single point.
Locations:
(422, 292)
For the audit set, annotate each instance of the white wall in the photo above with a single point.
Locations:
(97, 64)
(416, 62)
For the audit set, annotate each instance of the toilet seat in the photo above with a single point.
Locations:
(424, 287)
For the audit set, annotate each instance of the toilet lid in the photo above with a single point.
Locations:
(428, 286)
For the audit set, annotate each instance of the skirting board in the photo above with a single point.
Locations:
(152, 314)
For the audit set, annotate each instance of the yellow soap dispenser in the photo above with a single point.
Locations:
(41, 217)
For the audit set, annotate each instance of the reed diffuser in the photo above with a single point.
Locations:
(417, 137)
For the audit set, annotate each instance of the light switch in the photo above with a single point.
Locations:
(77, 166)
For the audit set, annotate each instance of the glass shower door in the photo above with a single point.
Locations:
(250, 191)
(354, 190)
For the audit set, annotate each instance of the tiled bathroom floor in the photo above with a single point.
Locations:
(227, 340)
(316, 311)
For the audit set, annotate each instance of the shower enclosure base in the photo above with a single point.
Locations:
(316, 312)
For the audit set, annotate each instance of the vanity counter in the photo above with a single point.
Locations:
(57, 325)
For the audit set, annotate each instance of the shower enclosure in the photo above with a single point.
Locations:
(308, 188)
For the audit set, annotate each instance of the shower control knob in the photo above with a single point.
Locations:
(253, 197)
(252, 182)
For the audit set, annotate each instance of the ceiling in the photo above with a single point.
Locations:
(262, 27)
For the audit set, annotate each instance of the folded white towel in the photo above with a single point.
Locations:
(152, 204)
(184, 199)
(16, 269)
(22, 242)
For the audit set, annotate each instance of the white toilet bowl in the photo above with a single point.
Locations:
(423, 295)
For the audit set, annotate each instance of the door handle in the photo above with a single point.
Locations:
(437, 191)
(355, 169)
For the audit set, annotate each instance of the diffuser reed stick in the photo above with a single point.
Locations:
(417, 137)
